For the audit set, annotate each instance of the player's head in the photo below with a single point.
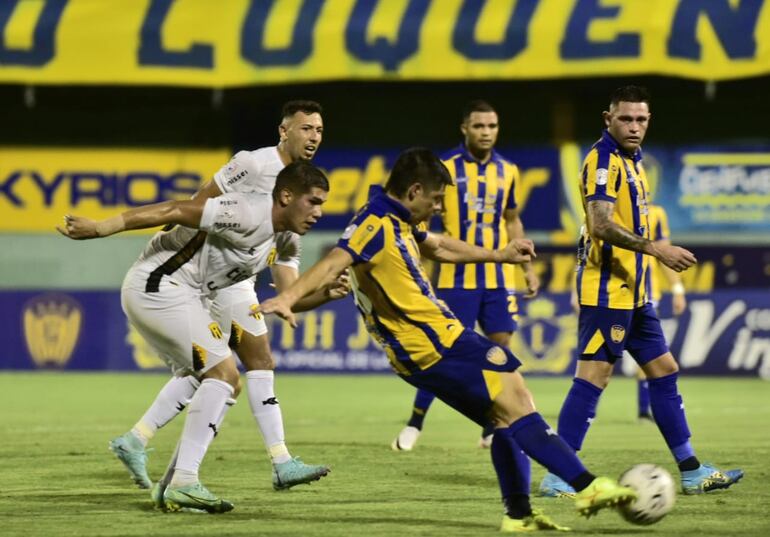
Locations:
(628, 117)
(480, 128)
(301, 129)
(300, 190)
(418, 179)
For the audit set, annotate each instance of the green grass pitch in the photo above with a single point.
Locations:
(58, 478)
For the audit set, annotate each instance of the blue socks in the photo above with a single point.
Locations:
(422, 403)
(542, 443)
(513, 473)
(668, 409)
(511, 464)
(643, 397)
(577, 412)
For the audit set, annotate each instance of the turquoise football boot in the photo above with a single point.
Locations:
(194, 497)
(130, 451)
(295, 472)
(707, 478)
(553, 486)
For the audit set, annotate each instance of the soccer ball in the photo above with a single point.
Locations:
(656, 493)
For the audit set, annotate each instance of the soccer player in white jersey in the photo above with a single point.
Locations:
(300, 133)
(216, 242)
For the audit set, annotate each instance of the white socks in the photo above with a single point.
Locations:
(267, 412)
(170, 401)
(167, 477)
(204, 417)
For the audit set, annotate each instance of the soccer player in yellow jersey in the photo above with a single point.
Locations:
(429, 347)
(614, 254)
(659, 232)
(480, 208)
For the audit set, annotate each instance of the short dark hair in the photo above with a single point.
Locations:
(307, 107)
(417, 165)
(630, 94)
(299, 177)
(477, 105)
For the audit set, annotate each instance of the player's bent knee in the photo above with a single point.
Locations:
(595, 372)
(225, 371)
(514, 402)
(254, 352)
(662, 366)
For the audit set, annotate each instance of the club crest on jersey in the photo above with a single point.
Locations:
(497, 356)
(216, 331)
(601, 176)
(272, 256)
(617, 333)
(254, 312)
(51, 328)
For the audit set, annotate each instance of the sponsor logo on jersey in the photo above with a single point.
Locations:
(235, 178)
(349, 231)
(52, 325)
(601, 176)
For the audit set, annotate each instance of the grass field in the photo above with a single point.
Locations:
(58, 478)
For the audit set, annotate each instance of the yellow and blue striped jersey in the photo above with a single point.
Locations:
(392, 290)
(473, 212)
(659, 231)
(609, 276)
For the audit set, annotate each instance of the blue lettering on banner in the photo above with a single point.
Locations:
(110, 189)
(735, 28)
(577, 46)
(389, 55)
(151, 51)
(516, 32)
(44, 38)
(253, 33)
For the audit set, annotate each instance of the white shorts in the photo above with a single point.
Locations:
(176, 323)
(234, 308)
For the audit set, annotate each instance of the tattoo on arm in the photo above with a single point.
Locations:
(600, 224)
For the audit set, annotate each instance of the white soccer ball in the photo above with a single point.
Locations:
(656, 493)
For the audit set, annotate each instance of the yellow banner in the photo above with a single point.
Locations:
(39, 186)
(226, 43)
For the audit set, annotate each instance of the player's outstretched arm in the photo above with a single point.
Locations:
(319, 275)
(183, 212)
(447, 249)
(600, 225)
(515, 228)
(285, 276)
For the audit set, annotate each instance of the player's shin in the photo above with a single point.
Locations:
(422, 402)
(513, 473)
(578, 411)
(172, 399)
(668, 410)
(267, 412)
(164, 481)
(206, 411)
(540, 441)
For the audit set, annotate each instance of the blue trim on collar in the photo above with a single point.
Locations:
(608, 140)
(468, 157)
(377, 196)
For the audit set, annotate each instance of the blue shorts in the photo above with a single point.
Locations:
(496, 310)
(467, 375)
(604, 333)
